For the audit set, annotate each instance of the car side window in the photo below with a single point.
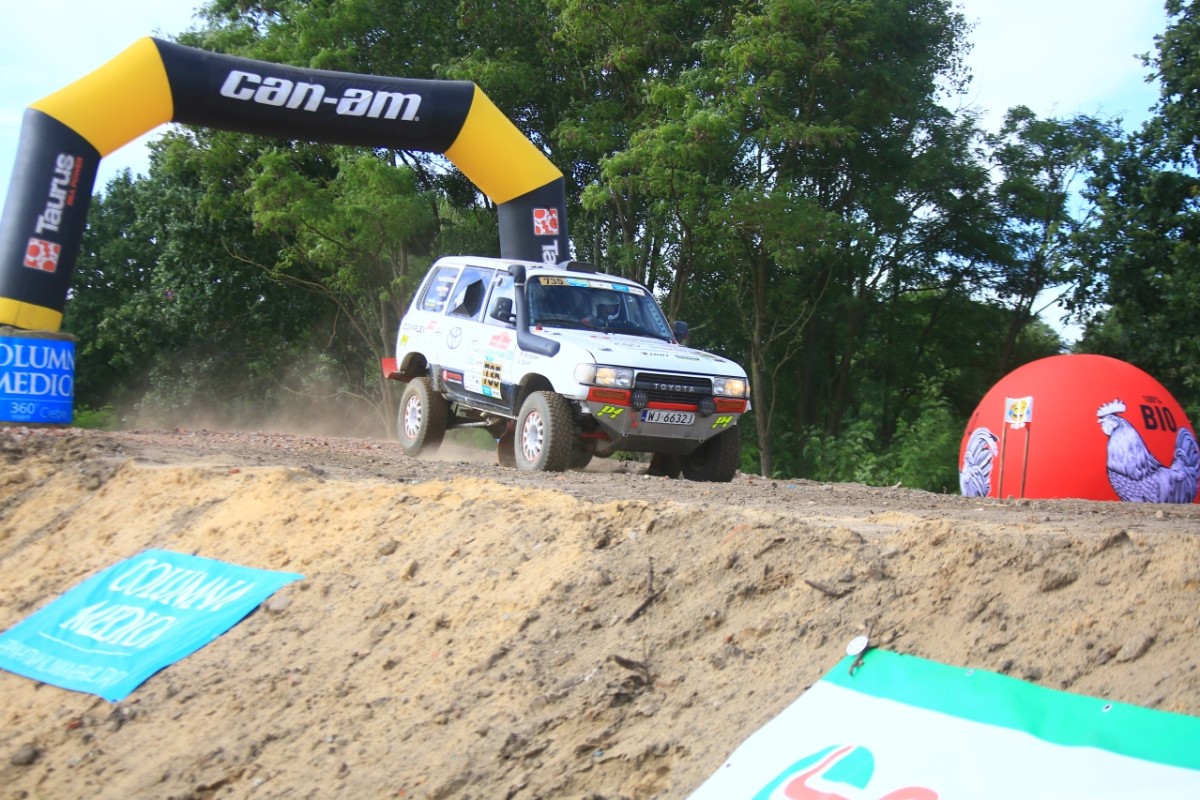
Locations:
(470, 292)
(438, 289)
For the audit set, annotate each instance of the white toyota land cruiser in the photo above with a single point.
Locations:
(561, 363)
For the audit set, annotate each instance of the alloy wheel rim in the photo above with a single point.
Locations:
(412, 418)
(532, 433)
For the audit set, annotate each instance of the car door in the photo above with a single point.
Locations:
(467, 372)
(498, 348)
(423, 328)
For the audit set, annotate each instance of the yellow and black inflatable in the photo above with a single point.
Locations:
(64, 136)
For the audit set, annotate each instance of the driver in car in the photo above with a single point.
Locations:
(608, 308)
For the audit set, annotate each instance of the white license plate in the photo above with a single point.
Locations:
(668, 417)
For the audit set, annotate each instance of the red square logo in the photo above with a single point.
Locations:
(43, 255)
(545, 222)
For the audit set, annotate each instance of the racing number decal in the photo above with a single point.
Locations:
(491, 379)
(612, 412)
(723, 421)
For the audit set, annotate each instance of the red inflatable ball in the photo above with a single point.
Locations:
(1080, 426)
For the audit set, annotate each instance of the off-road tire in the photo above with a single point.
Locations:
(422, 419)
(581, 453)
(665, 465)
(717, 460)
(545, 433)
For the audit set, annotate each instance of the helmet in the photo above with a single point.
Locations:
(607, 305)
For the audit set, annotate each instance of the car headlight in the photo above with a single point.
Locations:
(731, 387)
(612, 377)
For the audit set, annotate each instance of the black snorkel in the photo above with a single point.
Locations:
(529, 342)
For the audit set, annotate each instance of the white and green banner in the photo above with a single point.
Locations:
(904, 728)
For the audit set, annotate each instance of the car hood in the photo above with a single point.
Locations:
(644, 353)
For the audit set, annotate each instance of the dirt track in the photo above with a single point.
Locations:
(467, 631)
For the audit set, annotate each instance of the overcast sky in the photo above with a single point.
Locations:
(1059, 57)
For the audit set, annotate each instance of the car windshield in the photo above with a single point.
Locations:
(594, 304)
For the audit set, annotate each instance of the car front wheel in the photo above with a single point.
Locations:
(423, 417)
(545, 433)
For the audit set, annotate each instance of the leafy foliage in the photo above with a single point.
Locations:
(788, 175)
(100, 419)
(169, 323)
(1139, 290)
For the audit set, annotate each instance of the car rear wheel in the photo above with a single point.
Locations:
(665, 465)
(717, 460)
(424, 414)
(506, 448)
(545, 433)
(581, 453)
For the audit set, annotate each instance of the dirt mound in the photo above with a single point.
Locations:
(467, 631)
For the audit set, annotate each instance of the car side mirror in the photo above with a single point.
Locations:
(502, 310)
(680, 329)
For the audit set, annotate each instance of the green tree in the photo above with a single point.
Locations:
(631, 139)
(353, 227)
(171, 326)
(1042, 166)
(360, 240)
(1139, 290)
(804, 177)
(783, 174)
(116, 262)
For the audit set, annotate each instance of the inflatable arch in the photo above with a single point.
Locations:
(64, 136)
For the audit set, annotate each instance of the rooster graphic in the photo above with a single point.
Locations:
(975, 477)
(1133, 471)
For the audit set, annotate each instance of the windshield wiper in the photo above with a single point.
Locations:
(560, 323)
(634, 331)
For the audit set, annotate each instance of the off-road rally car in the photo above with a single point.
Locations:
(561, 363)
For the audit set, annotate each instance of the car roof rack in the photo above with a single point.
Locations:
(578, 266)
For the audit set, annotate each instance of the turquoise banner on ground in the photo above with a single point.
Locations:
(122, 625)
(903, 728)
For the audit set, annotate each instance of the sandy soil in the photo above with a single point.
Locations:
(468, 631)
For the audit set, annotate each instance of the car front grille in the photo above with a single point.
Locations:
(673, 388)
